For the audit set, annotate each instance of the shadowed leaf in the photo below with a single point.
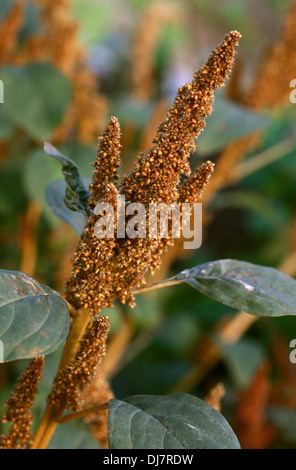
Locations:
(34, 319)
(178, 421)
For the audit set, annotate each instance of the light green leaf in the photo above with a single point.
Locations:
(36, 98)
(54, 195)
(40, 171)
(76, 196)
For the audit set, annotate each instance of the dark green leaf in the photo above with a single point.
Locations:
(36, 98)
(54, 195)
(76, 197)
(34, 319)
(258, 290)
(178, 421)
(284, 420)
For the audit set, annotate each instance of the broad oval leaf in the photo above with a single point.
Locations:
(258, 290)
(34, 319)
(177, 421)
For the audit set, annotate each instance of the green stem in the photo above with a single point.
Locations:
(157, 285)
(82, 413)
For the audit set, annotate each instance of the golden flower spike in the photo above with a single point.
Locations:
(18, 406)
(109, 269)
(71, 379)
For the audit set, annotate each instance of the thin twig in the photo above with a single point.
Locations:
(265, 158)
(157, 285)
(82, 413)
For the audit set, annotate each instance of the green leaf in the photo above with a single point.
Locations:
(242, 359)
(178, 421)
(34, 319)
(6, 125)
(94, 19)
(258, 290)
(228, 122)
(284, 420)
(36, 98)
(76, 197)
(40, 171)
(5, 7)
(54, 195)
(32, 22)
(73, 435)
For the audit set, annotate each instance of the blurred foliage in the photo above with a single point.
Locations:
(252, 219)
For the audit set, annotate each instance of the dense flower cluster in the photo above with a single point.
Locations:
(108, 269)
(9, 29)
(98, 391)
(70, 380)
(18, 406)
(270, 88)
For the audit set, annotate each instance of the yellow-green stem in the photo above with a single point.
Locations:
(51, 415)
(82, 413)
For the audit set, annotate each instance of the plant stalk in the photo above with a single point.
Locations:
(51, 414)
(82, 413)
